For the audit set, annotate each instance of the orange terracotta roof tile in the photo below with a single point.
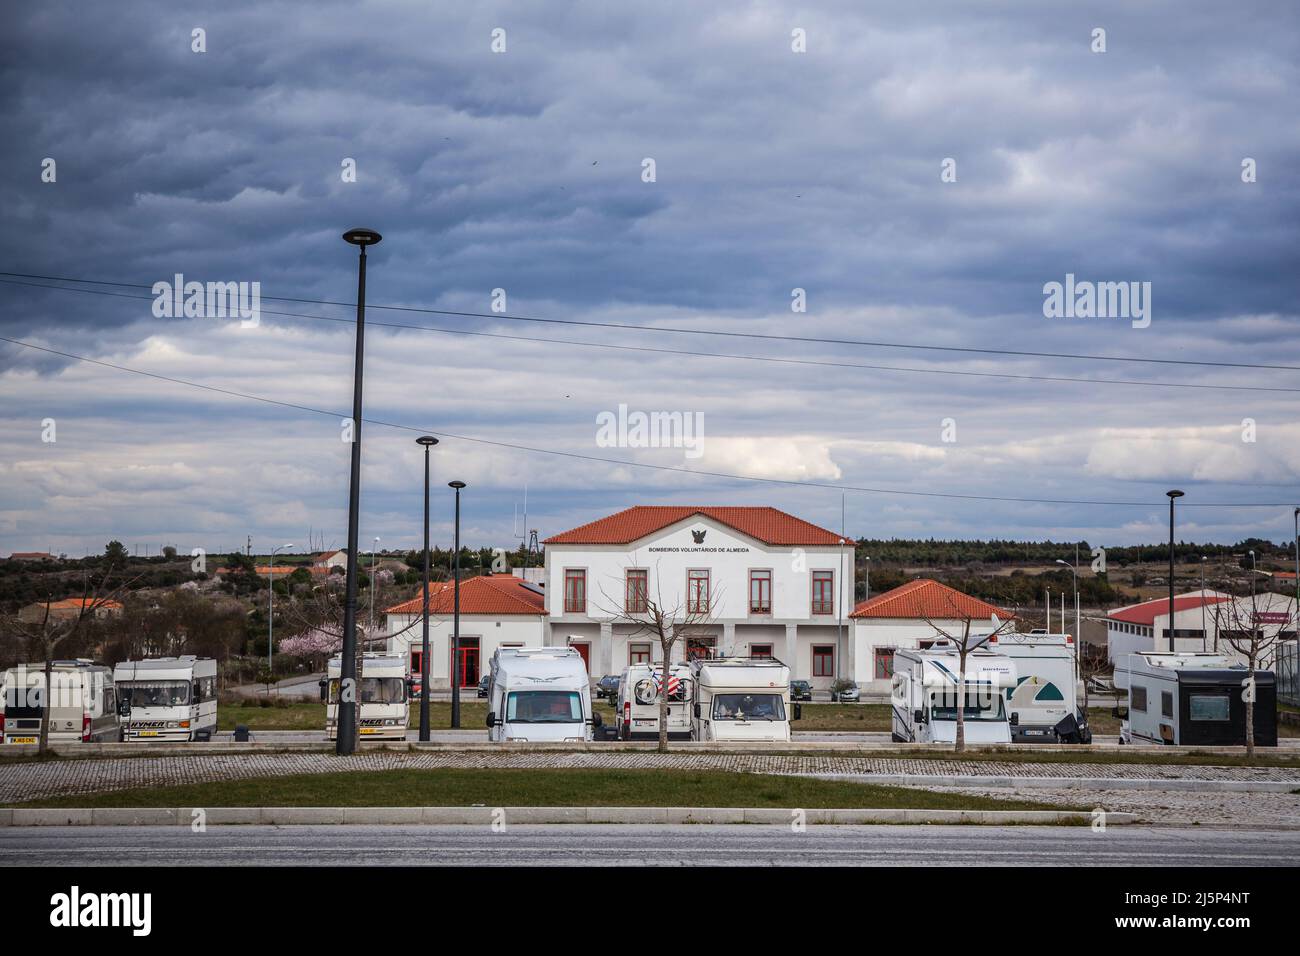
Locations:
(495, 594)
(1147, 612)
(79, 603)
(767, 525)
(927, 599)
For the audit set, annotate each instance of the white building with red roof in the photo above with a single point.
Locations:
(767, 583)
(910, 616)
(1199, 617)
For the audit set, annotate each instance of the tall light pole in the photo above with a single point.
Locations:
(347, 723)
(1203, 633)
(455, 616)
(270, 614)
(1074, 572)
(1172, 496)
(868, 584)
(374, 585)
(1252, 578)
(428, 441)
(1297, 585)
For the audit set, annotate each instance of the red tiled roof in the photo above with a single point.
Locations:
(927, 599)
(763, 524)
(79, 603)
(495, 594)
(1147, 612)
(29, 555)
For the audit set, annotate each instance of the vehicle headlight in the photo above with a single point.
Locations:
(391, 722)
(573, 740)
(171, 725)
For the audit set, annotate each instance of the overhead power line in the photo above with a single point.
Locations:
(627, 463)
(678, 330)
(822, 363)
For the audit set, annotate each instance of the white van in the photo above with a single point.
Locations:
(83, 703)
(539, 694)
(924, 691)
(1046, 691)
(1193, 699)
(638, 702)
(382, 709)
(740, 698)
(171, 698)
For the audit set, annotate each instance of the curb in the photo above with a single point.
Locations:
(1064, 783)
(487, 816)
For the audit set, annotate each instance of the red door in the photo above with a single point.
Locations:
(467, 666)
(585, 651)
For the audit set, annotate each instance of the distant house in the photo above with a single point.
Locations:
(31, 556)
(69, 609)
(276, 571)
(331, 559)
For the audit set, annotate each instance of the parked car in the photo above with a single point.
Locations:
(800, 690)
(483, 685)
(607, 687)
(845, 692)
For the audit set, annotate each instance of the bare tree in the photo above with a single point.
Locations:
(1253, 635)
(666, 620)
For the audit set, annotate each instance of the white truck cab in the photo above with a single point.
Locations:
(740, 698)
(382, 705)
(539, 694)
(170, 698)
(924, 695)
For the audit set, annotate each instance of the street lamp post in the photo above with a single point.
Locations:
(347, 722)
(428, 441)
(1252, 577)
(1074, 572)
(1172, 496)
(867, 596)
(374, 585)
(1296, 517)
(1203, 633)
(270, 613)
(455, 616)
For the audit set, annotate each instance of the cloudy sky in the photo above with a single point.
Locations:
(524, 171)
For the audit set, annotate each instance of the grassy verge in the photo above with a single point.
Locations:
(537, 788)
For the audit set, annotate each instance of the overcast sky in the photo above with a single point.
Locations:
(774, 170)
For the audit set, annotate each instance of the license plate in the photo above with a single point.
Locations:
(371, 730)
(1035, 733)
(20, 740)
(148, 733)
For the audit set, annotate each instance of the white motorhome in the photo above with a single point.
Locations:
(170, 698)
(740, 698)
(1188, 699)
(638, 702)
(382, 709)
(539, 694)
(1046, 689)
(925, 688)
(83, 703)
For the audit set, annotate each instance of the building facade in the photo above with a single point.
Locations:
(736, 580)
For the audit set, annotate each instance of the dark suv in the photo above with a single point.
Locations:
(607, 687)
(800, 690)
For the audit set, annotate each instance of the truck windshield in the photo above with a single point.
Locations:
(155, 693)
(374, 690)
(543, 707)
(748, 707)
(980, 705)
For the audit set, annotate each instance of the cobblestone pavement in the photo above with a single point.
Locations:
(1168, 806)
(32, 781)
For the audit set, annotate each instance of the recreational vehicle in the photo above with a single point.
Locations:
(925, 689)
(382, 710)
(740, 698)
(1188, 699)
(83, 703)
(171, 698)
(638, 702)
(539, 694)
(1044, 700)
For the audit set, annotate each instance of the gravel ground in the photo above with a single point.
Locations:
(32, 781)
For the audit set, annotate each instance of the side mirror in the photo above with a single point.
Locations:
(124, 707)
(798, 711)
(197, 692)
(597, 720)
(1114, 712)
(697, 711)
(491, 719)
(410, 687)
(324, 691)
(1015, 719)
(918, 716)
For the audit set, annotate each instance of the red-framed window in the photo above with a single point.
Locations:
(883, 663)
(823, 660)
(760, 592)
(638, 653)
(823, 592)
(636, 590)
(760, 650)
(575, 591)
(697, 591)
(415, 661)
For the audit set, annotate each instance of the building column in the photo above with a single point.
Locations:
(728, 647)
(791, 655)
(607, 648)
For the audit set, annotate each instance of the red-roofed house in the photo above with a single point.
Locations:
(331, 559)
(1198, 616)
(907, 617)
(773, 584)
(69, 609)
(495, 611)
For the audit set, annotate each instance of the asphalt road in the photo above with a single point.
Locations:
(651, 845)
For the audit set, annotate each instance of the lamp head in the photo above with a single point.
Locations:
(456, 484)
(426, 440)
(362, 237)
(1174, 494)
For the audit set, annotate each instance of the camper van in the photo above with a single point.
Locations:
(1044, 701)
(171, 698)
(382, 709)
(539, 694)
(924, 695)
(638, 702)
(1188, 699)
(740, 698)
(83, 703)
